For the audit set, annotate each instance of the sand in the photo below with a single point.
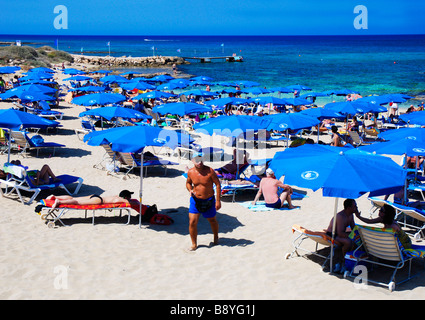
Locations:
(110, 260)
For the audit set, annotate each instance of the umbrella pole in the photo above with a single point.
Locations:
(333, 233)
(141, 189)
(10, 141)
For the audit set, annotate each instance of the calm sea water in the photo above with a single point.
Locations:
(368, 64)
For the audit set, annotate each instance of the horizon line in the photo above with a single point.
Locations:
(219, 35)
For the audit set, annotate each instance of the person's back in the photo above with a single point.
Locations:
(269, 188)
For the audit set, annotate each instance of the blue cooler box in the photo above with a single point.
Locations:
(350, 259)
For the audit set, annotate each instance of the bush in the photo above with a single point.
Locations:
(37, 57)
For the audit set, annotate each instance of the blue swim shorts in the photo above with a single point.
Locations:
(210, 213)
(276, 205)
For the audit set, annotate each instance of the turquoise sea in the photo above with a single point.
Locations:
(368, 64)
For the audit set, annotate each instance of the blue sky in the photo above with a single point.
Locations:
(218, 17)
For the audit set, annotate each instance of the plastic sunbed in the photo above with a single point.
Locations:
(51, 216)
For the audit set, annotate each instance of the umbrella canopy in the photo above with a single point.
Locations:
(290, 121)
(202, 78)
(181, 108)
(298, 87)
(15, 120)
(230, 126)
(184, 82)
(72, 71)
(162, 78)
(9, 69)
(322, 113)
(98, 99)
(89, 89)
(408, 141)
(297, 102)
(199, 93)
(36, 76)
(227, 101)
(135, 138)
(341, 92)
(273, 100)
(26, 95)
(113, 79)
(256, 90)
(281, 90)
(417, 117)
(41, 69)
(78, 78)
(386, 98)
(139, 85)
(30, 88)
(247, 83)
(227, 84)
(313, 95)
(339, 172)
(354, 107)
(110, 113)
(171, 86)
(154, 95)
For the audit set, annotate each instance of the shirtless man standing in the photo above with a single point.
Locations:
(200, 183)
(269, 188)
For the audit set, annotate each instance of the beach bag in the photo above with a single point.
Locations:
(161, 219)
(149, 213)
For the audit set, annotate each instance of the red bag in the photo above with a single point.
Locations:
(161, 219)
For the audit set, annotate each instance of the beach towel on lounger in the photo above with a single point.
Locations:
(50, 202)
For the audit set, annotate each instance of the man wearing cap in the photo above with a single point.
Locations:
(269, 189)
(200, 183)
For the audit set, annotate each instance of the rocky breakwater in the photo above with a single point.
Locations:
(148, 62)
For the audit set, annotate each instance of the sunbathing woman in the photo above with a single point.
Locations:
(124, 196)
(39, 177)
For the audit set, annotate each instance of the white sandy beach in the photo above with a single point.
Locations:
(114, 261)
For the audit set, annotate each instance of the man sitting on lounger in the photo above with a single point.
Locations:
(95, 199)
(269, 189)
(230, 170)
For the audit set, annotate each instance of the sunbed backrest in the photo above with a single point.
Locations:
(380, 244)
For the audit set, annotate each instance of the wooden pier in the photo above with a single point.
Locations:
(208, 59)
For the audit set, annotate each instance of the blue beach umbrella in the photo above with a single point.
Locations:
(110, 113)
(101, 98)
(154, 95)
(256, 90)
(162, 78)
(30, 88)
(181, 108)
(247, 83)
(139, 85)
(227, 84)
(297, 102)
(202, 78)
(113, 79)
(199, 93)
(298, 87)
(313, 95)
(322, 113)
(417, 117)
(89, 89)
(78, 78)
(36, 76)
(281, 90)
(386, 98)
(273, 100)
(134, 139)
(9, 69)
(26, 95)
(184, 82)
(41, 69)
(72, 71)
(416, 134)
(329, 168)
(170, 86)
(221, 102)
(354, 107)
(17, 120)
(290, 121)
(339, 172)
(404, 146)
(230, 126)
